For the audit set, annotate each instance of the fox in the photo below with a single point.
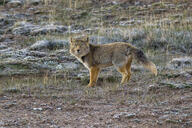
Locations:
(98, 56)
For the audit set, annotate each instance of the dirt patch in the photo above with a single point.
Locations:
(58, 102)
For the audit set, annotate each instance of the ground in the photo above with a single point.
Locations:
(60, 102)
(42, 85)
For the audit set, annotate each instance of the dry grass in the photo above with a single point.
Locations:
(158, 25)
(56, 95)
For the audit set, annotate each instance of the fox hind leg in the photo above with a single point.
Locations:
(128, 68)
(122, 63)
(123, 72)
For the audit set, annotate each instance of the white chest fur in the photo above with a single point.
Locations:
(84, 63)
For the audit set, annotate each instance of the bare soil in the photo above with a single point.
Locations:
(58, 102)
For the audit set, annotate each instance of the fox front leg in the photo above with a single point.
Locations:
(94, 72)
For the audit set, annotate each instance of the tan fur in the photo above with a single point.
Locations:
(118, 54)
(151, 66)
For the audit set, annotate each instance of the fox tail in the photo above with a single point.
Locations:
(141, 58)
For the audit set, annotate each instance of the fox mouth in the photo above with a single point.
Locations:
(83, 58)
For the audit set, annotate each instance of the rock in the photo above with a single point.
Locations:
(76, 28)
(39, 45)
(25, 28)
(14, 3)
(11, 90)
(9, 105)
(123, 35)
(180, 63)
(79, 15)
(126, 23)
(48, 44)
(130, 22)
(152, 87)
(59, 67)
(5, 22)
(124, 115)
(18, 66)
(61, 52)
(176, 85)
(49, 29)
(67, 66)
(4, 51)
(158, 11)
(164, 117)
(2, 2)
(29, 58)
(10, 53)
(37, 109)
(1, 123)
(2, 46)
(28, 61)
(34, 2)
(13, 54)
(36, 54)
(59, 108)
(187, 74)
(18, 3)
(70, 65)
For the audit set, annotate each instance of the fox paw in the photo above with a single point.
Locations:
(91, 84)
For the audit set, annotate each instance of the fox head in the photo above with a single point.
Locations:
(79, 46)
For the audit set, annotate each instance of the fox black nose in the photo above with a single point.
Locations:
(78, 50)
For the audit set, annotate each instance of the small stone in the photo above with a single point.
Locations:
(164, 117)
(136, 120)
(176, 85)
(34, 2)
(8, 105)
(58, 108)
(6, 50)
(14, 3)
(39, 45)
(49, 29)
(48, 44)
(70, 65)
(26, 28)
(185, 74)
(1, 123)
(179, 63)
(81, 75)
(152, 87)
(2, 46)
(124, 115)
(37, 109)
(59, 67)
